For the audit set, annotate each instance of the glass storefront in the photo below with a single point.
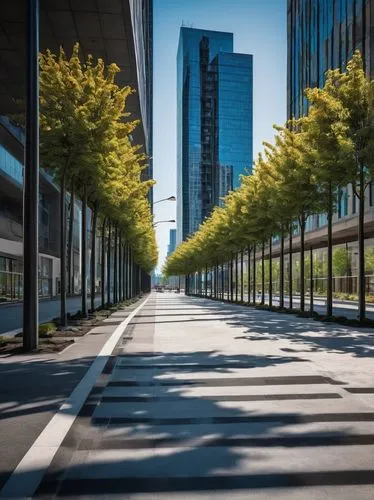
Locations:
(11, 278)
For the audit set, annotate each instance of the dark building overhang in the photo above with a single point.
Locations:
(103, 28)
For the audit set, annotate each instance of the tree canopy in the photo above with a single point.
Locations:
(85, 140)
(321, 151)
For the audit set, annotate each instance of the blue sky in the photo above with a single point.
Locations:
(259, 28)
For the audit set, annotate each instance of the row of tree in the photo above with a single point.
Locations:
(85, 142)
(301, 174)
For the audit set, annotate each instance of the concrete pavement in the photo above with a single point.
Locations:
(340, 307)
(205, 400)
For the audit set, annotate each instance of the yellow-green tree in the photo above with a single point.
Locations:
(85, 142)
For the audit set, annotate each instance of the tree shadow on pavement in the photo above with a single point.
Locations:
(176, 440)
(307, 335)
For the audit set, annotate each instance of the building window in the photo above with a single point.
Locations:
(45, 277)
(11, 279)
(43, 222)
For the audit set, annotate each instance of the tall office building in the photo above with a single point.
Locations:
(172, 241)
(214, 122)
(323, 34)
(119, 31)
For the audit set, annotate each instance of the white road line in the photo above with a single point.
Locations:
(26, 478)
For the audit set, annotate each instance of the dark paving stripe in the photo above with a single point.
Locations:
(118, 486)
(360, 390)
(281, 418)
(287, 442)
(227, 382)
(109, 365)
(91, 402)
(187, 366)
(259, 397)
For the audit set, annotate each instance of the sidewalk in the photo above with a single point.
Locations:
(205, 400)
(34, 386)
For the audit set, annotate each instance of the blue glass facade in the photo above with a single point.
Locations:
(234, 116)
(323, 34)
(172, 241)
(11, 166)
(212, 83)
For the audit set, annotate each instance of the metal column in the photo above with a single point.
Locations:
(31, 185)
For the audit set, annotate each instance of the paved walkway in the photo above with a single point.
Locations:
(204, 400)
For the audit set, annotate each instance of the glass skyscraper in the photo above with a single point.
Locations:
(172, 241)
(214, 114)
(323, 34)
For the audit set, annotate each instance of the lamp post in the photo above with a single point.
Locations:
(163, 221)
(171, 198)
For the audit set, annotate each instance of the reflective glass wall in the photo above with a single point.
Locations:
(234, 115)
(323, 34)
(214, 123)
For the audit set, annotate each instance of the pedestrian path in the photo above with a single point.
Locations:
(207, 400)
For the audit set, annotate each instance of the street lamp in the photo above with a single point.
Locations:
(161, 221)
(171, 198)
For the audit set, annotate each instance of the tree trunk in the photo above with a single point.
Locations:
(241, 277)
(120, 266)
(223, 281)
(93, 258)
(254, 274)
(270, 273)
(236, 277)
(302, 264)
(329, 254)
(249, 275)
(361, 249)
(126, 272)
(206, 283)
(281, 271)
(84, 253)
(108, 273)
(311, 280)
(263, 273)
(103, 264)
(290, 287)
(115, 266)
(63, 313)
(130, 274)
(70, 243)
(232, 279)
